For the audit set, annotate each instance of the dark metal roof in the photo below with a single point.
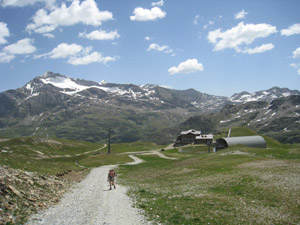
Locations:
(252, 141)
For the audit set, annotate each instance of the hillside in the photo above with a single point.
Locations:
(231, 185)
(36, 172)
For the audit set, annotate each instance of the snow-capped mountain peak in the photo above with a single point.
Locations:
(103, 82)
(266, 95)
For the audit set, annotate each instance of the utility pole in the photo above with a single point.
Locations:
(109, 141)
(208, 144)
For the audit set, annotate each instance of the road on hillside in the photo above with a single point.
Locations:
(91, 202)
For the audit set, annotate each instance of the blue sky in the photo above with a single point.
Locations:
(216, 47)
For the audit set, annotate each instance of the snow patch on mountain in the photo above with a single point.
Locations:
(64, 83)
(70, 87)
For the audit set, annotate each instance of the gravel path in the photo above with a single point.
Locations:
(91, 202)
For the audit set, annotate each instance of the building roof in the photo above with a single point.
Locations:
(205, 136)
(192, 131)
(252, 141)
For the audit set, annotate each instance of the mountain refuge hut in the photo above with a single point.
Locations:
(193, 137)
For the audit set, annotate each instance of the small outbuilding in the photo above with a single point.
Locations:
(251, 141)
(204, 139)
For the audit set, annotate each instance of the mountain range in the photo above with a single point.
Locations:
(54, 105)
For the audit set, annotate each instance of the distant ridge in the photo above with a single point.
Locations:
(54, 105)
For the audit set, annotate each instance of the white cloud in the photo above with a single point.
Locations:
(160, 3)
(157, 47)
(242, 34)
(44, 29)
(296, 53)
(4, 32)
(48, 35)
(148, 38)
(141, 14)
(85, 12)
(100, 35)
(294, 29)
(169, 51)
(240, 15)
(24, 46)
(189, 66)
(21, 3)
(195, 21)
(91, 58)
(164, 48)
(6, 58)
(210, 23)
(295, 65)
(260, 49)
(65, 50)
(76, 54)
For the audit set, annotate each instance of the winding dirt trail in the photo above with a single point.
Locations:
(151, 152)
(90, 202)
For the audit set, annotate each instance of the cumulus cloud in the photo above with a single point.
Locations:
(6, 58)
(65, 50)
(85, 12)
(4, 32)
(21, 3)
(24, 46)
(160, 48)
(294, 29)
(157, 47)
(240, 15)
(147, 38)
(260, 49)
(44, 29)
(91, 58)
(21, 47)
(76, 54)
(189, 66)
(100, 35)
(242, 34)
(296, 53)
(141, 14)
(160, 3)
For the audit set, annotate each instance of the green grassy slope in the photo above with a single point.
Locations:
(239, 185)
(49, 156)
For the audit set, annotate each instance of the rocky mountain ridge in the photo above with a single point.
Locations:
(54, 105)
(279, 119)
